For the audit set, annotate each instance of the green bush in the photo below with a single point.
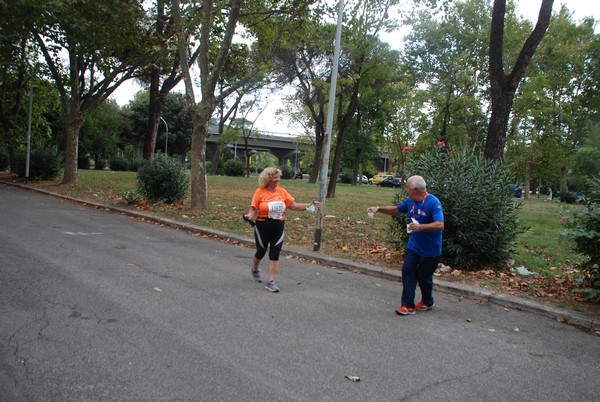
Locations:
(234, 167)
(4, 159)
(135, 163)
(567, 197)
(119, 163)
(163, 179)
(83, 162)
(346, 176)
(286, 172)
(100, 164)
(480, 214)
(45, 163)
(583, 227)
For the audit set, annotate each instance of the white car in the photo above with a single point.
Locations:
(364, 179)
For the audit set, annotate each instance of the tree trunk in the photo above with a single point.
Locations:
(72, 127)
(355, 166)
(527, 183)
(344, 123)
(200, 117)
(502, 101)
(155, 109)
(502, 86)
(318, 161)
(563, 188)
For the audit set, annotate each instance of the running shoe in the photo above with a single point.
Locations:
(403, 310)
(271, 287)
(256, 275)
(423, 307)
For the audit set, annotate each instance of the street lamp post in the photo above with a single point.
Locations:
(329, 125)
(167, 135)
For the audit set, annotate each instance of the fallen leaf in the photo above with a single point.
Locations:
(516, 330)
(491, 330)
(157, 289)
(469, 320)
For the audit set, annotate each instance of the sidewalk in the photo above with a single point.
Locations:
(570, 317)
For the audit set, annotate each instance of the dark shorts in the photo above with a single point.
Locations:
(269, 233)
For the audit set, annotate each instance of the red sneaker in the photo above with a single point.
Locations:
(403, 310)
(423, 307)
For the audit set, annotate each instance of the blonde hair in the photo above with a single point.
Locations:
(266, 175)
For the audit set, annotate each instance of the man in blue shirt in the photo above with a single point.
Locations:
(424, 245)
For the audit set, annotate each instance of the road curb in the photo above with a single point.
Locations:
(565, 316)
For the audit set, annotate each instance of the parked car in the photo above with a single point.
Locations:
(298, 174)
(590, 195)
(362, 179)
(378, 178)
(391, 182)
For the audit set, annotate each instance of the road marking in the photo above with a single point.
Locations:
(81, 233)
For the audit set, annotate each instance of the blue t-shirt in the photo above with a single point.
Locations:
(424, 244)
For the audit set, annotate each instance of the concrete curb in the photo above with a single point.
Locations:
(574, 318)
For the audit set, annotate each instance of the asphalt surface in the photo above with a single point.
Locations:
(97, 304)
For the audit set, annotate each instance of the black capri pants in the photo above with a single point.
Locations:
(269, 233)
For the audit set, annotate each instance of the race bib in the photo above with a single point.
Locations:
(276, 209)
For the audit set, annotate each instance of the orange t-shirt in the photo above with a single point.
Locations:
(271, 204)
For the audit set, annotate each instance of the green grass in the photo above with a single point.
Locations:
(347, 231)
(542, 248)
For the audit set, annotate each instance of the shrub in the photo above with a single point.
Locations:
(163, 179)
(83, 162)
(481, 225)
(131, 197)
(4, 159)
(346, 176)
(45, 163)
(234, 167)
(567, 197)
(100, 164)
(583, 227)
(135, 163)
(286, 172)
(119, 163)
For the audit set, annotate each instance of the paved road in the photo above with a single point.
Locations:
(96, 306)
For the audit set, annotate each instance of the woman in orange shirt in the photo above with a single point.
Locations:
(268, 206)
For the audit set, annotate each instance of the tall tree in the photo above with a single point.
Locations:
(100, 42)
(21, 75)
(362, 57)
(264, 22)
(164, 73)
(549, 116)
(447, 55)
(503, 86)
(306, 64)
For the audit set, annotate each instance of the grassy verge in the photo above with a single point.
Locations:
(346, 228)
(541, 248)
